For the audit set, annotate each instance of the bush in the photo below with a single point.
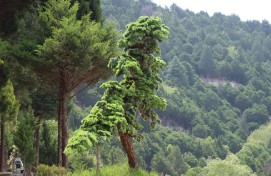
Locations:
(115, 170)
(45, 170)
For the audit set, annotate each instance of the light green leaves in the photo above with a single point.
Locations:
(9, 106)
(139, 69)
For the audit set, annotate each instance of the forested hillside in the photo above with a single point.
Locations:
(217, 84)
(207, 120)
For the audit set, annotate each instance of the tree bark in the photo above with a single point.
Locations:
(37, 143)
(126, 142)
(98, 157)
(65, 134)
(59, 136)
(2, 153)
(62, 119)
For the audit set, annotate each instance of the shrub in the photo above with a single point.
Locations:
(115, 170)
(45, 170)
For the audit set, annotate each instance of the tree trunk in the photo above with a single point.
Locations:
(37, 143)
(59, 130)
(126, 142)
(98, 157)
(62, 121)
(2, 153)
(65, 134)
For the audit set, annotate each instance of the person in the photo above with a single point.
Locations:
(17, 167)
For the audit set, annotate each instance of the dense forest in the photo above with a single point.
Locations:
(95, 79)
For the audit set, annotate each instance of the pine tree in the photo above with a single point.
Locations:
(76, 52)
(89, 6)
(47, 150)
(45, 107)
(96, 12)
(9, 107)
(24, 138)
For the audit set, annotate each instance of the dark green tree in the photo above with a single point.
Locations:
(162, 164)
(9, 107)
(3, 75)
(256, 116)
(45, 107)
(76, 52)
(24, 137)
(207, 63)
(89, 6)
(96, 12)
(177, 161)
(48, 152)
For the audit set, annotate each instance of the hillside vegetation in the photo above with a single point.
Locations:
(217, 84)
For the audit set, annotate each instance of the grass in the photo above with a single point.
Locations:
(261, 135)
(115, 170)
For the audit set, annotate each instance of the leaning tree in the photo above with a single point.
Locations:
(139, 68)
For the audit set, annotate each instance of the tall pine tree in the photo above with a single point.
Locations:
(9, 107)
(24, 138)
(76, 52)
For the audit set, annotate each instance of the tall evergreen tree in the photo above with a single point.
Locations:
(89, 6)
(9, 107)
(96, 12)
(48, 153)
(24, 138)
(8, 111)
(45, 107)
(76, 52)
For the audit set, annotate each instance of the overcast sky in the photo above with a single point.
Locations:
(245, 9)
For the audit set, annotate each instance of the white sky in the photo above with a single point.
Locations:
(245, 9)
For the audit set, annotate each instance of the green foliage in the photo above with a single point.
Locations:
(136, 91)
(82, 161)
(3, 71)
(208, 118)
(177, 160)
(256, 156)
(140, 68)
(69, 52)
(207, 64)
(102, 120)
(24, 138)
(261, 135)
(256, 116)
(76, 114)
(9, 106)
(255, 153)
(162, 164)
(228, 167)
(43, 104)
(93, 7)
(115, 170)
(48, 151)
(81, 45)
(45, 170)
